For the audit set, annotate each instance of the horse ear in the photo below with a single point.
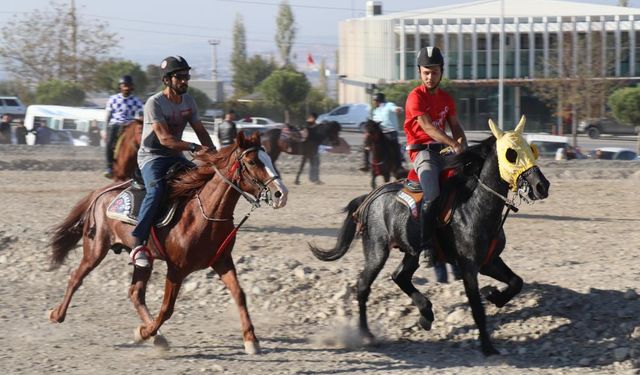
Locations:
(240, 138)
(255, 138)
(495, 129)
(520, 127)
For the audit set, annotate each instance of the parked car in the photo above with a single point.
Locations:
(613, 153)
(548, 145)
(13, 106)
(350, 116)
(604, 125)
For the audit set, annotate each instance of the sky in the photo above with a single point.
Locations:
(153, 29)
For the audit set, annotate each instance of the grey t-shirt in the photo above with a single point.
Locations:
(160, 109)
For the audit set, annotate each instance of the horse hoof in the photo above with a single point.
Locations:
(489, 351)
(51, 318)
(252, 347)
(368, 340)
(160, 342)
(137, 335)
(425, 323)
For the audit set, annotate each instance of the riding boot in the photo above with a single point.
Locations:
(365, 161)
(427, 226)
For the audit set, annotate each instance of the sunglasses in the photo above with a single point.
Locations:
(182, 77)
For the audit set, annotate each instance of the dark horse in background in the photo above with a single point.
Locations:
(322, 133)
(384, 157)
(201, 235)
(473, 239)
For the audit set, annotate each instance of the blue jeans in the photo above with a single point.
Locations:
(153, 174)
(440, 269)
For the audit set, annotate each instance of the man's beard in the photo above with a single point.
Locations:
(180, 89)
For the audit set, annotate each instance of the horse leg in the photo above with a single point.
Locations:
(470, 279)
(227, 271)
(94, 252)
(501, 272)
(304, 160)
(172, 286)
(402, 277)
(137, 292)
(375, 254)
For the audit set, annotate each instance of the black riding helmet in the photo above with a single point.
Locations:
(173, 64)
(125, 80)
(430, 56)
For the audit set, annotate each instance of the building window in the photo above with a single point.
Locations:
(467, 56)
(481, 56)
(410, 69)
(410, 42)
(625, 54)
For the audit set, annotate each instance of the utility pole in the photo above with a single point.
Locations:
(214, 60)
(74, 41)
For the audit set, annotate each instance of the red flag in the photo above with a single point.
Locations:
(310, 59)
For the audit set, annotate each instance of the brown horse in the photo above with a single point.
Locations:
(326, 132)
(126, 154)
(203, 236)
(384, 158)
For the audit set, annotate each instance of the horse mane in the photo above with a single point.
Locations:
(187, 182)
(470, 162)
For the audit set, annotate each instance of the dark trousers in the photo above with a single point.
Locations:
(113, 132)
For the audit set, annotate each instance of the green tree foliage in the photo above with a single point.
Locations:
(285, 87)
(625, 105)
(286, 32)
(202, 100)
(398, 92)
(255, 71)
(239, 57)
(60, 93)
(53, 43)
(108, 74)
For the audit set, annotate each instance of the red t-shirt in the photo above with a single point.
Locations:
(439, 106)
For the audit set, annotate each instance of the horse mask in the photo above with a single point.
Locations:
(514, 153)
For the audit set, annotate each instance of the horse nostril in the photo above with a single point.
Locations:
(541, 189)
(278, 194)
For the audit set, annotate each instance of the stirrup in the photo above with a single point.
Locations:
(141, 257)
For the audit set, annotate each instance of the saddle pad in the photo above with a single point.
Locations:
(413, 201)
(126, 207)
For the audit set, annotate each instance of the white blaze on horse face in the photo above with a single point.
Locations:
(277, 188)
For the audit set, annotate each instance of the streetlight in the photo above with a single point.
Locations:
(214, 60)
(501, 69)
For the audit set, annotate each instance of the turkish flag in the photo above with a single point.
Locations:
(310, 59)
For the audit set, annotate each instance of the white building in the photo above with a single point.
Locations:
(380, 49)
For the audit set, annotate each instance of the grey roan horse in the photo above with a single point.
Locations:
(481, 192)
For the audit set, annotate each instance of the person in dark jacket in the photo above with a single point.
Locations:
(227, 130)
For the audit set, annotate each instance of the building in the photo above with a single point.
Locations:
(379, 49)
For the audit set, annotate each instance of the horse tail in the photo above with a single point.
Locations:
(67, 234)
(345, 236)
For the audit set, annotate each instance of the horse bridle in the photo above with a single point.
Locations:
(240, 171)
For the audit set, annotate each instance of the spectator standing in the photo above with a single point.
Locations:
(43, 134)
(386, 114)
(94, 133)
(20, 132)
(121, 109)
(227, 130)
(314, 157)
(5, 129)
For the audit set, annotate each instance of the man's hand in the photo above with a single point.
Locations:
(200, 150)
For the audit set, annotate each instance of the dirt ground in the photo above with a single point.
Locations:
(577, 251)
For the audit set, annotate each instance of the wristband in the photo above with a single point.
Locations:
(193, 147)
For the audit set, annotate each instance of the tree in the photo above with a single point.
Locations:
(108, 74)
(286, 87)
(154, 78)
(55, 44)
(286, 32)
(576, 85)
(625, 106)
(239, 57)
(257, 69)
(19, 89)
(60, 93)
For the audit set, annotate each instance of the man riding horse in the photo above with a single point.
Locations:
(428, 110)
(165, 116)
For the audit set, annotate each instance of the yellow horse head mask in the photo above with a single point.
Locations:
(514, 153)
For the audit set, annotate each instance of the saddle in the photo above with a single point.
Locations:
(411, 196)
(291, 140)
(125, 206)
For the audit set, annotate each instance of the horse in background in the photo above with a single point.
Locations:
(202, 236)
(384, 157)
(473, 238)
(126, 152)
(325, 132)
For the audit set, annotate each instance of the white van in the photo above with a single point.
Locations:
(74, 120)
(350, 116)
(547, 145)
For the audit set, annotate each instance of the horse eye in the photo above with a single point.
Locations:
(511, 155)
(251, 163)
